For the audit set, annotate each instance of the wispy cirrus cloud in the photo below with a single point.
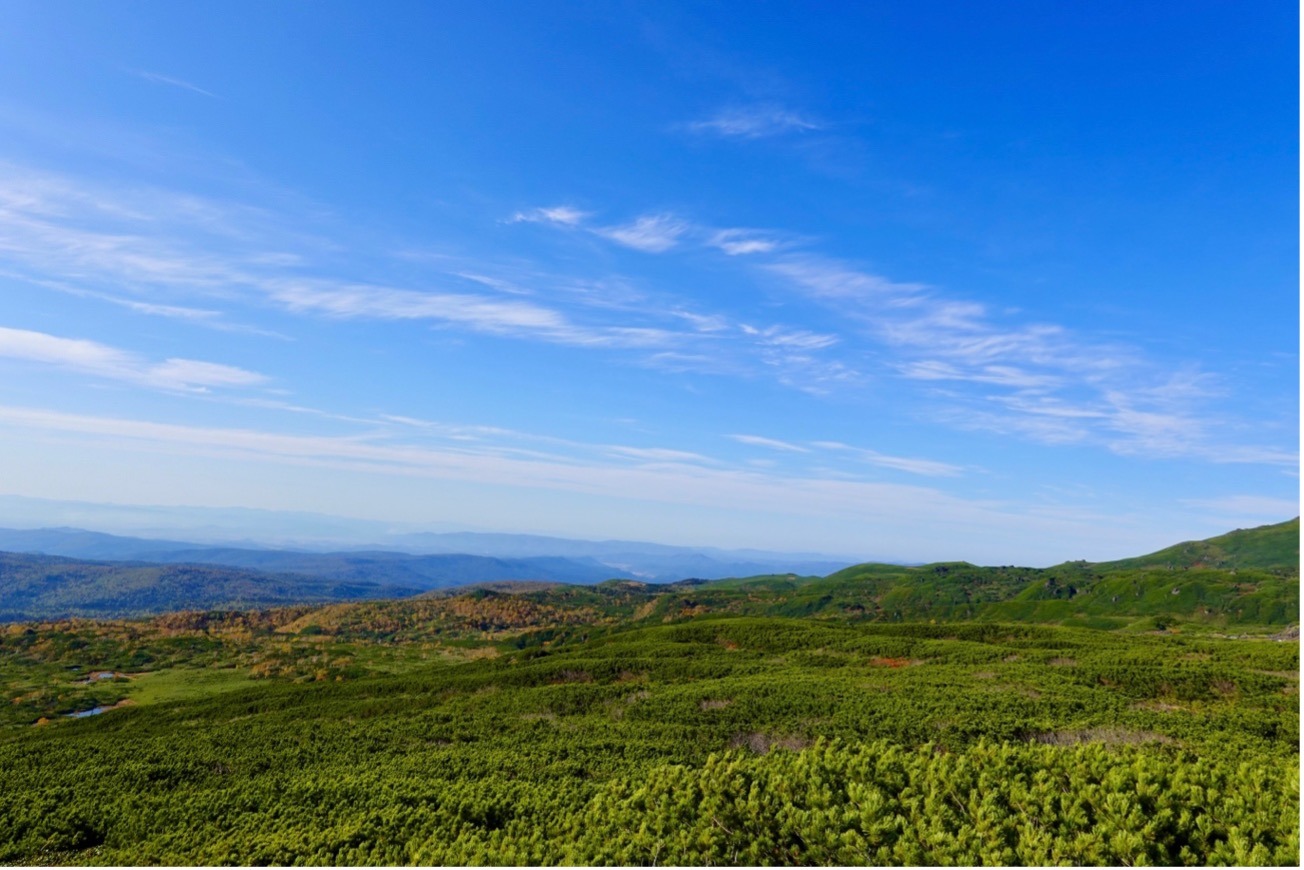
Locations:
(653, 234)
(562, 215)
(659, 454)
(654, 474)
(909, 464)
(754, 122)
(176, 255)
(740, 242)
(789, 338)
(103, 361)
(210, 318)
(1044, 382)
(658, 232)
(172, 81)
(1000, 375)
(770, 443)
(488, 315)
(197, 261)
(1266, 507)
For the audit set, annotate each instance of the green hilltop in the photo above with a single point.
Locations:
(1274, 546)
(1244, 578)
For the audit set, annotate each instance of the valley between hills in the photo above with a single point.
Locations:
(1142, 711)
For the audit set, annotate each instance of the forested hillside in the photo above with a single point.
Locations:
(35, 587)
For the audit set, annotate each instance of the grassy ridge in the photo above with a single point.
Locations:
(1274, 546)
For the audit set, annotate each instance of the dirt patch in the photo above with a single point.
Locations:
(1108, 736)
(616, 708)
(645, 610)
(985, 675)
(1062, 662)
(573, 677)
(1158, 707)
(764, 743)
(536, 717)
(714, 705)
(1225, 688)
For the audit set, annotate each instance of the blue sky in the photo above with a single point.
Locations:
(1011, 283)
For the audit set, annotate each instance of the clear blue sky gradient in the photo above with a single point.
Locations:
(1009, 282)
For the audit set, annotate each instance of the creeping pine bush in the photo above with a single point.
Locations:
(882, 804)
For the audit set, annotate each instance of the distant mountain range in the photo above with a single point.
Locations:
(165, 528)
(1249, 575)
(431, 560)
(46, 587)
(57, 572)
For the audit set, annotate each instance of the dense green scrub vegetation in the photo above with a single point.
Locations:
(882, 715)
(737, 740)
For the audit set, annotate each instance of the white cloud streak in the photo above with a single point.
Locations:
(1051, 385)
(771, 443)
(493, 316)
(754, 122)
(652, 234)
(561, 215)
(174, 82)
(1268, 508)
(740, 242)
(673, 477)
(103, 361)
(911, 465)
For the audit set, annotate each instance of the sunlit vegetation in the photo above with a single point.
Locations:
(742, 722)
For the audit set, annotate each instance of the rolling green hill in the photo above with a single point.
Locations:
(1275, 546)
(1246, 577)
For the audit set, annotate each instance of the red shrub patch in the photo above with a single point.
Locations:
(886, 662)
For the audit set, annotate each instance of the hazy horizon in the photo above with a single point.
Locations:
(260, 528)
